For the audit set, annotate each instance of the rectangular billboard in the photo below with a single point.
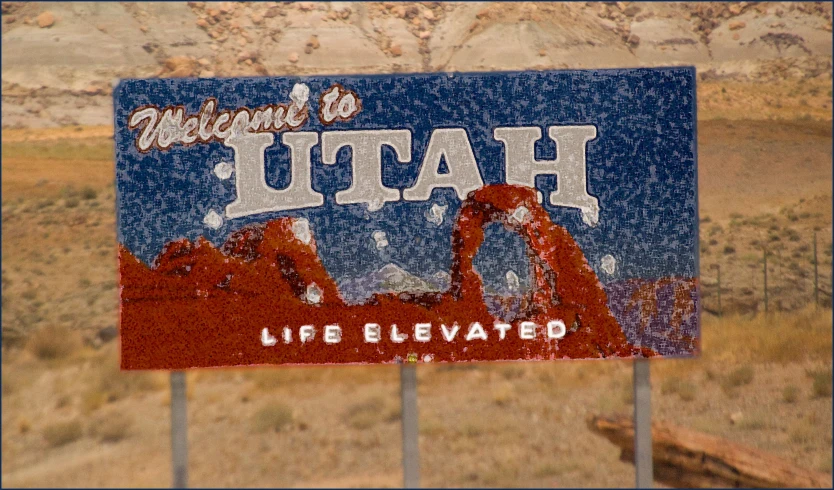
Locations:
(407, 218)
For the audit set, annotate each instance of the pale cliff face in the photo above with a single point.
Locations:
(60, 59)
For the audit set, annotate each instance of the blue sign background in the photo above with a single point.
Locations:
(641, 166)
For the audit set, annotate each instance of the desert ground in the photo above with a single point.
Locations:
(71, 418)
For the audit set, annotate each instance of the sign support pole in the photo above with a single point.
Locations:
(179, 430)
(411, 447)
(643, 424)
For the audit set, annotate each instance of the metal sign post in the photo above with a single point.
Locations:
(411, 446)
(643, 424)
(179, 430)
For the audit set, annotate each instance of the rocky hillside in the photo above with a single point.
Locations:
(59, 59)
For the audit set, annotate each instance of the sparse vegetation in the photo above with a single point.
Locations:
(503, 395)
(273, 417)
(801, 434)
(111, 384)
(512, 372)
(792, 235)
(113, 428)
(92, 400)
(790, 394)
(627, 390)
(61, 433)
(88, 193)
(65, 149)
(53, 343)
(471, 430)
(740, 376)
(778, 337)
(547, 469)
(752, 422)
(677, 386)
(370, 412)
(822, 382)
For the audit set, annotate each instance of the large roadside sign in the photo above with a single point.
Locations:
(407, 218)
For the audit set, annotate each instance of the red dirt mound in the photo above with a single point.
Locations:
(200, 306)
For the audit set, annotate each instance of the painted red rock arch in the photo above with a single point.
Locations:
(202, 306)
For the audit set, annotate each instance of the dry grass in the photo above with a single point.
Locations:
(627, 393)
(110, 383)
(272, 379)
(8, 384)
(65, 149)
(273, 417)
(685, 389)
(61, 433)
(752, 422)
(822, 381)
(790, 394)
(113, 428)
(739, 377)
(783, 99)
(368, 413)
(778, 337)
(52, 343)
(503, 394)
(802, 434)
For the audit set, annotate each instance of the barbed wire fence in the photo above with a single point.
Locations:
(765, 287)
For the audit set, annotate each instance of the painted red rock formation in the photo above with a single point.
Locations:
(202, 306)
(646, 297)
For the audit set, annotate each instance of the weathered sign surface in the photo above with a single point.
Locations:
(407, 218)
